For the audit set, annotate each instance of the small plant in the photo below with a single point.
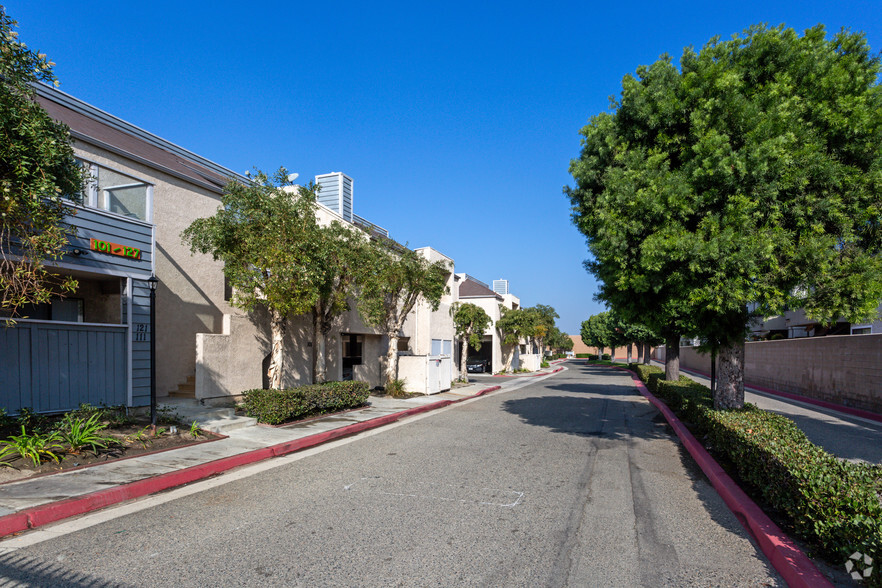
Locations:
(395, 388)
(166, 415)
(31, 420)
(195, 431)
(78, 432)
(159, 432)
(36, 447)
(141, 437)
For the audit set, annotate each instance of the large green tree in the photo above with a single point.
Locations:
(37, 172)
(599, 331)
(470, 322)
(392, 279)
(267, 235)
(542, 318)
(514, 325)
(341, 252)
(751, 175)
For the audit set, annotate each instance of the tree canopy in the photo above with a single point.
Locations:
(267, 235)
(470, 322)
(750, 176)
(392, 279)
(37, 172)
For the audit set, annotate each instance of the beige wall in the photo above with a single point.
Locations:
(189, 297)
(844, 369)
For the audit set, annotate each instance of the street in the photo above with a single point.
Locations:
(568, 480)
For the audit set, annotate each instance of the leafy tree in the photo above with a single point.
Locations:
(513, 325)
(392, 279)
(559, 341)
(340, 254)
(268, 238)
(37, 172)
(598, 331)
(470, 322)
(751, 175)
(542, 317)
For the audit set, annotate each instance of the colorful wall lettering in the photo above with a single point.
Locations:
(115, 249)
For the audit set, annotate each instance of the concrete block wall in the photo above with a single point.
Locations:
(845, 369)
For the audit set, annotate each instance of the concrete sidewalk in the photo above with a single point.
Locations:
(37, 501)
(844, 435)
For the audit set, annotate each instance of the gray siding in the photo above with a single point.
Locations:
(111, 228)
(53, 367)
(140, 343)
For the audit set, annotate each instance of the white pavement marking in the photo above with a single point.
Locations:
(85, 521)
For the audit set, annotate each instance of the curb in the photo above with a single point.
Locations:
(789, 561)
(529, 375)
(56, 511)
(858, 412)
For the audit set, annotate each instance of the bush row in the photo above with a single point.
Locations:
(277, 406)
(832, 504)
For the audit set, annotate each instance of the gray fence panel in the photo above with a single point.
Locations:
(54, 367)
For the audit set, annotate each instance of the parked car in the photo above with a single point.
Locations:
(477, 365)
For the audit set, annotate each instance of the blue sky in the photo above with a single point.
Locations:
(456, 120)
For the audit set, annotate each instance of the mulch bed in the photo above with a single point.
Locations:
(127, 447)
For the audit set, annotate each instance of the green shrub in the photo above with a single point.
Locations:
(277, 406)
(606, 357)
(583, 356)
(832, 504)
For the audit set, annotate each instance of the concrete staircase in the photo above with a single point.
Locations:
(215, 419)
(185, 390)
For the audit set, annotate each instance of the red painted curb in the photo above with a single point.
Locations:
(793, 565)
(56, 511)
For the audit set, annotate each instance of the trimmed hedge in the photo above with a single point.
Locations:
(583, 356)
(277, 406)
(832, 504)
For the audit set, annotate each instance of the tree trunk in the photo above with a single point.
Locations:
(600, 353)
(647, 353)
(463, 368)
(274, 373)
(509, 358)
(639, 350)
(392, 358)
(730, 382)
(629, 354)
(672, 358)
(612, 354)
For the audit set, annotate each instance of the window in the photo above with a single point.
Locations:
(119, 193)
(861, 329)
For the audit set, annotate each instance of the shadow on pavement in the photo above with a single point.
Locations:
(19, 570)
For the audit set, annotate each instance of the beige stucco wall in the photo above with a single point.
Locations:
(189, 297)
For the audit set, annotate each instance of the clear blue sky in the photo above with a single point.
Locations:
(456, 120)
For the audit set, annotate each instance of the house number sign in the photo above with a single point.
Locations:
(115, 249)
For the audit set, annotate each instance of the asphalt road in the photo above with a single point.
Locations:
(572, 480)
